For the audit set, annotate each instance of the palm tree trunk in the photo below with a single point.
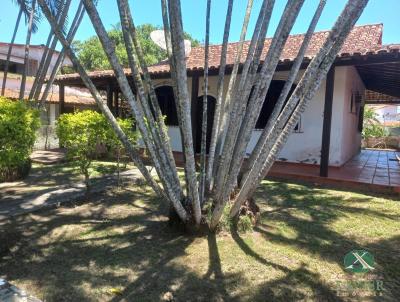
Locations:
(226, 102)
(220, 90)
(241, 92)
(178, 49)
(48, 52)
(130, 36)
(156, 153)
(41, 65)
(203, 151)
(250, 113)
(287, 87)
(171, 59)
(264, 78)
(70, 37)
(3, 87)
(27, 43)
(106, 111)
(62, 17)
(167, 161)
(302, 95)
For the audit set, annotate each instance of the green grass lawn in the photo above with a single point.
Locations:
(44, 178)
(117, 246)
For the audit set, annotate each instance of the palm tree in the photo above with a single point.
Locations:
(32, 19)
(32, 14)
(23, 10)
(222, 176)
(61, 15)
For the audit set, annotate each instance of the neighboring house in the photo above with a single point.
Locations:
(16, 64)
(333, 118)
(74, 98)
(388, 114)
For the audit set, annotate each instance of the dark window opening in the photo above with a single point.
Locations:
(360, 119)
(166, 101)
(272, 97)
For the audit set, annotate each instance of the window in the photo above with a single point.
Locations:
(272, 97)
(166, 101)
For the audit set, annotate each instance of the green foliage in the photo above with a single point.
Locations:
(84, 132)
(241, 224)
(92, 56)
(372, 127)
(18, 126)
(244, 224)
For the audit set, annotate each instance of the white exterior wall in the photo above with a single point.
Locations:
(305, 146)
(351, 137)
(35, 53)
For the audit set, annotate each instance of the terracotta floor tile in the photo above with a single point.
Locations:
(381, 180)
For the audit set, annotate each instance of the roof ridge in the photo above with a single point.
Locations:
(292, 35)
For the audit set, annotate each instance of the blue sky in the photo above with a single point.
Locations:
(148, 11)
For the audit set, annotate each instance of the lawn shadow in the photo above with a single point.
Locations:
(113, 254)
(122, 249)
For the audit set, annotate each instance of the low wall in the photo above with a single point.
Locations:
(387, 142)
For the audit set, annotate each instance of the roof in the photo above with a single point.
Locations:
(376, 98)
(41, 46)
(362, 40)
(74, 98)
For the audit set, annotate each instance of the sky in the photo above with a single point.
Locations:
(149, 11)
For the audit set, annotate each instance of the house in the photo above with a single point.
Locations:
(74, 98)
(389, 112)
(17, 58)
(329, 132)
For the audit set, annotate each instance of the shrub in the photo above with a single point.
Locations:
(372, 127)
(18, 126)
(115, 145)
(82, 132)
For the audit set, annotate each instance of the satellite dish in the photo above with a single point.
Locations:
(188, 47)
(158, 37)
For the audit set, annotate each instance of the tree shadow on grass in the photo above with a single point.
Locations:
(119, 247)
(311, 214)
(109, 251)
(291, 286)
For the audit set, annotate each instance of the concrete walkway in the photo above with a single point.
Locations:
(14, 205)
(47, 157)
(11, 293)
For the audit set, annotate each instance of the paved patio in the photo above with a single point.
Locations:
(371, 169)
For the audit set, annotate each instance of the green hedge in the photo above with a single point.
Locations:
(18, 126)
(83, 132)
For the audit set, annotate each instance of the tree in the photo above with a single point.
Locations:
(62, 13)
(372, 127)
(29, 9)
(93, 57)
(32, 14)
(18, 126)
(83, 132)
(23, 10)
(228, 189)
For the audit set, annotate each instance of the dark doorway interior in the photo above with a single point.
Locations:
(199, 120)
(272, 97)
(165, 96)
(12, 67)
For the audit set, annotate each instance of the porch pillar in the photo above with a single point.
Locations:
(61, 98)
(326, 128)
(194, 107)
(116, 102)
(110, 97)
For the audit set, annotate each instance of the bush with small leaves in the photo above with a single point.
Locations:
(18, 126)
(82, 133)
